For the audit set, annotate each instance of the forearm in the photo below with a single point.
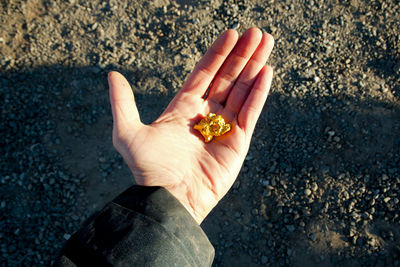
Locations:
(142, 226)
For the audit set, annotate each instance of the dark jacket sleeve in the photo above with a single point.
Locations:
(144, 226)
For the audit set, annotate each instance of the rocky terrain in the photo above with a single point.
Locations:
(321, 183)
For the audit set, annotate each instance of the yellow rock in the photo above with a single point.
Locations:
(212, 125)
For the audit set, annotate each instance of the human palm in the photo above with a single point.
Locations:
(169, 152)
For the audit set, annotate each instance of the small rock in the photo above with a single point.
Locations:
(331, 133)
(307, 192)
(220, 25)
(267, 192)
(314, 187)
(313, 237)
(94, 26)
(67, 236)
(291, 228)
(235, 26)
(264, 259)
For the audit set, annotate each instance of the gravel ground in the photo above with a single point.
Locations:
(321, 183)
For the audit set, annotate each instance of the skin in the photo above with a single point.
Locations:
(169, 152)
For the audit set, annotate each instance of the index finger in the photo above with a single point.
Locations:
(204, 72)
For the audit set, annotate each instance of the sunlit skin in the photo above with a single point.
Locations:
(169, 152)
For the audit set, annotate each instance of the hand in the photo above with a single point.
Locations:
(169, 152)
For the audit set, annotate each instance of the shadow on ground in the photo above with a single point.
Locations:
(59, 166)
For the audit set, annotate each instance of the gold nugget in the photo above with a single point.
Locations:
(212, 125)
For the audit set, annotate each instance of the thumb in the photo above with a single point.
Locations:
(123, 106)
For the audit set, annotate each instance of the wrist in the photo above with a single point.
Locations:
(191, 208)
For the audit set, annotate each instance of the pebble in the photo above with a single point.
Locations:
(313, 237)
(264, 259)
(314, 187)
(220, 25)
(235, 26)
(331, 133)
(307, 192)
(267, 192)
(386, 199)
(67, 236)
(291, 228)
(94, 26)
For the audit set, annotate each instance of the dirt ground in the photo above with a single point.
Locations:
(321, 183)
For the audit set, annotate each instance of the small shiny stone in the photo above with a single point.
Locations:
(212, 125)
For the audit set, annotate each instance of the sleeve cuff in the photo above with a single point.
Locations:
(142, 226)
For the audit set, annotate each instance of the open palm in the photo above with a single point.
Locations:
(169, 152)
